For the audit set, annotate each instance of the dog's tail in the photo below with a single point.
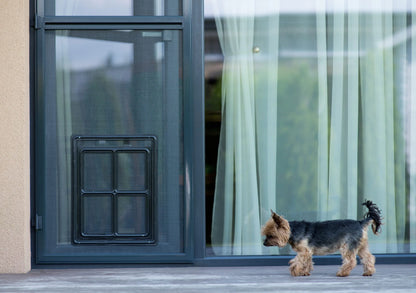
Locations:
(374, 215)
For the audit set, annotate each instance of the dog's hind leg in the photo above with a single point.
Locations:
(368, 260)
(349, 261)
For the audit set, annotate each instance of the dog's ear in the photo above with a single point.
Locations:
(276, 218)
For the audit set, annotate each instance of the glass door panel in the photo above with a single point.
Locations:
(110, 147)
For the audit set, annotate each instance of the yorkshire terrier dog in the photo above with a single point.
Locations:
(320, 238)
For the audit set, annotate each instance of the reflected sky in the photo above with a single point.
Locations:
(102, 7)
(84, 54)
(94, 7)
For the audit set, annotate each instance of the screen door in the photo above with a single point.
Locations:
(109, 145)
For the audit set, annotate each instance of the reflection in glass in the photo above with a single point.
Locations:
(97, 215)
(98, 171)
(311, 106)
(113, 7)
(132, 170)
(111, 83)
(133, 215)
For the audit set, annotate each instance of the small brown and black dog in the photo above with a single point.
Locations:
(320, 238)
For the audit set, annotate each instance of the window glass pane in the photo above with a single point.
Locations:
(132, 170)
(310, 110)
(121, 90)
(113, 7)
(132, 215)
(98, 171)
(97, 215)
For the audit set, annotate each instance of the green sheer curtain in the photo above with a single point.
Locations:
(237, 138)
(363, 76)
(358, 61)
(247, 128)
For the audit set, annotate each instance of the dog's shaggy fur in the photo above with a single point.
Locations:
(320, 238)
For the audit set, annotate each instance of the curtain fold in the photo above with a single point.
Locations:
(247, 149)
(352, 75)
(411, 131)
(64, 128)
(378, 154)
(337, 164)
(338, 133)
(236, 194)
(322, 164)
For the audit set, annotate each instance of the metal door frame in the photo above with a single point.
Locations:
(193, 121)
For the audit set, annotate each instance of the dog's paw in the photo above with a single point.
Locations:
(343, 274)
(298, 271)
(300, 274)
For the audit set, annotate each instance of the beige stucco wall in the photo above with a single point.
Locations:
(14, 137)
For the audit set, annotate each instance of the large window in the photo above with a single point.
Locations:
(310, 109)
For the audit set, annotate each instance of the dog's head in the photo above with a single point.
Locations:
(276, 230)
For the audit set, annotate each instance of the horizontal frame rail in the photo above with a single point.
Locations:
(109, 22)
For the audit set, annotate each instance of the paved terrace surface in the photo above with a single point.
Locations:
(388, 278)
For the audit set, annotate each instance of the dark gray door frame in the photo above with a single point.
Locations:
(191, 25)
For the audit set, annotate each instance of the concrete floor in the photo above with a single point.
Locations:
(388, 278)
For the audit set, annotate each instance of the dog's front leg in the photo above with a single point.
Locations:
(302, 264)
